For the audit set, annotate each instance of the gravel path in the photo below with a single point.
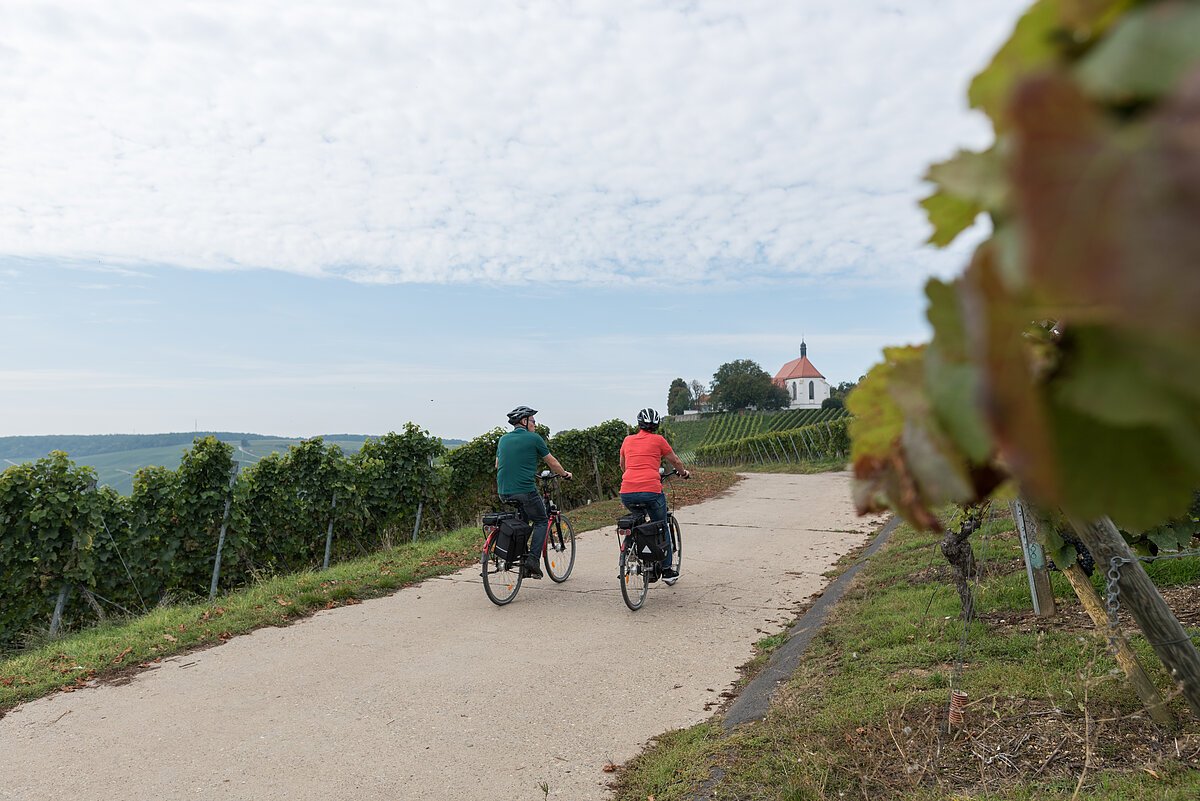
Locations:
(435, 693)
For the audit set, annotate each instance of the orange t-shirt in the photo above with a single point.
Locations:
(643, 454)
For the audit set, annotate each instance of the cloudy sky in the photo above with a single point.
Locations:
(297, 218)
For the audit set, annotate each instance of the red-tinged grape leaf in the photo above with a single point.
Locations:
(883, 483)
(1011, 401)
(951, 379)
(1109, 217)
(1031, 48)
(882, 476)
(904, 460)
(949, 215)
(939, 470)
(1144, 58)
(977, 177)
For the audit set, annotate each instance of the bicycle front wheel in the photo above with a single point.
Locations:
(635, 580)
(500, 581)
(676, 548)
(560, 549)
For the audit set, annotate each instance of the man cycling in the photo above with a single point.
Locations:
(641, 455)
(517, 455)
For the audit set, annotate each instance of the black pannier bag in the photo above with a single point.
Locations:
(512, 541)
(650, 541)
(491, 520)
(626, 523)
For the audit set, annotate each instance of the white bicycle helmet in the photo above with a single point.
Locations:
(648, 419)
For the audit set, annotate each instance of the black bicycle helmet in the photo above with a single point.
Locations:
(648, 419)
(520, 413)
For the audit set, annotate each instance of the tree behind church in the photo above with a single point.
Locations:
(743, 384)
(679, 397)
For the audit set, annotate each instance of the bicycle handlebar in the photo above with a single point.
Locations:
(546, 475)
(664, 473)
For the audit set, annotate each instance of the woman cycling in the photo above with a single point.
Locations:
(641, 456)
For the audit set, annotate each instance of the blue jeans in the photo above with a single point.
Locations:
(657, 504)
(535, 512)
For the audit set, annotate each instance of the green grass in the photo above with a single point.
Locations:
(679, 763)
(864, 715)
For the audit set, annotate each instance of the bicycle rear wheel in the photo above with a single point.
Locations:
(635, 580)
(560, 549)
(500, 582)
(676, 548)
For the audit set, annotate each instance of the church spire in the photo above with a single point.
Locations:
(803, 349)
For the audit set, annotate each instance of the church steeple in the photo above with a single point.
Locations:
(803, 349)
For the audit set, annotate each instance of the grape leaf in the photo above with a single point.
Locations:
(1125, 380)
(1016, 414)
(1031, 48)
(949, 215)
(1109, 216)
(1144, 58)
(1098, 460)
(1174, 536)
(952, 380)
(977, 177)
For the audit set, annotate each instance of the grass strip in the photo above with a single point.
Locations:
(865, 714)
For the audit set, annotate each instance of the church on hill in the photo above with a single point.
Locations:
(803, 382)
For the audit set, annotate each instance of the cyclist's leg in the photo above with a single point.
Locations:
(535, 510)
(659, 513)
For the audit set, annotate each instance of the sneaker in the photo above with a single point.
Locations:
(668, 573)
(531, 569)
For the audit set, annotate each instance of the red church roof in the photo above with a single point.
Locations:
(797, 368)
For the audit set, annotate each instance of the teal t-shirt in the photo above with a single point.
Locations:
(518, 452)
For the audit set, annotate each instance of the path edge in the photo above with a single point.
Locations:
(754, 700)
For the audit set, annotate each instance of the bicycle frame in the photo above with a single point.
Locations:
(557, 549)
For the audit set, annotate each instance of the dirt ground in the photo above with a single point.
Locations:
(434, 692)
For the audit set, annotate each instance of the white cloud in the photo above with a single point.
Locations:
(463, 141)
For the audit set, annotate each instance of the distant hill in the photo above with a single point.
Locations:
(25, 448)
(116, 457)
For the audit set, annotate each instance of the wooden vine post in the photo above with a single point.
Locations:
(1124, 655)
(1139, 595)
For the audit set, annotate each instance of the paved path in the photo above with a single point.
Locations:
(425, 694)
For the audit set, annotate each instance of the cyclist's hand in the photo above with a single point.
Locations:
(686, 474)
(566, 474)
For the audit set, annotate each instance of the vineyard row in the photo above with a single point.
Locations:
(68, 546)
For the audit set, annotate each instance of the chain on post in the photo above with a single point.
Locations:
(1113, 600)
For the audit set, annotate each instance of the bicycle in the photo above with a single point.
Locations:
(637, 569)
(501, 570)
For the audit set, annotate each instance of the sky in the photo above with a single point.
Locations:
(295, 218)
